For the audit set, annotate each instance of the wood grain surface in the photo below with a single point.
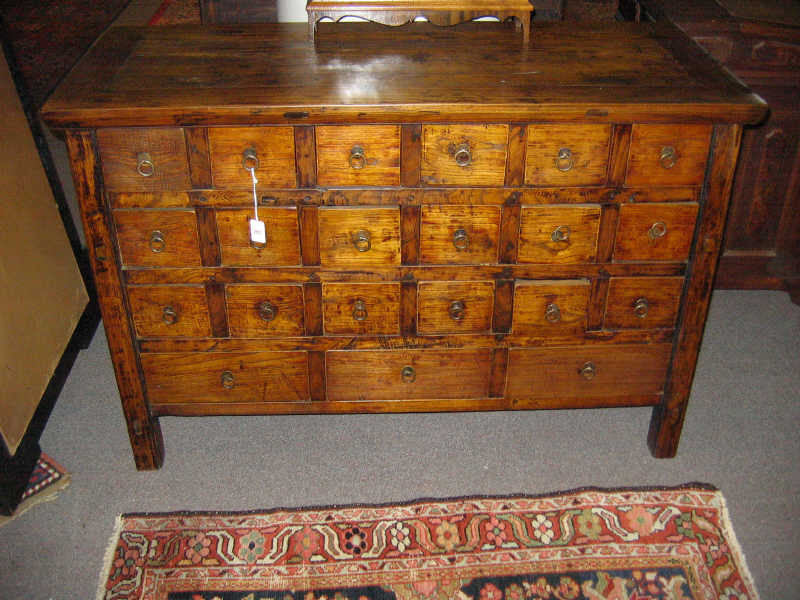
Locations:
(380, 146)
(662, 296)
(274, 147)
(434, 302)
(246, 319)
(533, 298)
(170, 311)
(158, 239)
(120, 149)
(487, 146)
(283, 234)
(690, 142)
(635, 242)
(586, 145)
(338, 227)
(581, 224)
(439, 224)
(380, 313)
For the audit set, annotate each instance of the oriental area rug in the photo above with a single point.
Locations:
(45, 483)
(592, 544)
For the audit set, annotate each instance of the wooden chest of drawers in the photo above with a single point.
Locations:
(517, 228)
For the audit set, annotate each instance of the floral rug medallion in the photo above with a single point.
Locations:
(641, 544)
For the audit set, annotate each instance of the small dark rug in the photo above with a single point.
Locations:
(44, 39)
(46, 482)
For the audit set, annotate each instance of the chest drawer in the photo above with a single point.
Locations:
(567, 154)
(455, 306)
(358, 155)
(170, 310)
(163, 238)
(283, 233)
(459, 234)
(558, 233)
(270, 150)
(643, 302)
(264, 310)
(226, 377)
(551, 308)
(411, 374)
(143, 159)
(365, 308)
(354, 237)
(668, 154)
(468, 155)
(657, 231)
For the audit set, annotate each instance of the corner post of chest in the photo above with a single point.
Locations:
(143, 428)
(667, 420)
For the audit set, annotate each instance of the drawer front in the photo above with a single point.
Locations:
(464, 155)
(265, 310)
(459, 234)
(413, 374)
(274, 151)
(558, 233)
(143, 159)
(358, 155)
(567, 154)
(361, 308)
(643, 302)
(551, 308)
(224, 377)
(668, 154)
(170, 310)
(158, 238)
(587, 371)
(455, 306)
(352, 237)
(283, 235)
(658, 231)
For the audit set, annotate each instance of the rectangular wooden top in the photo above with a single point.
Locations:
(361, 72)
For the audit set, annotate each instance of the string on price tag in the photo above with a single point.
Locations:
(258, 231)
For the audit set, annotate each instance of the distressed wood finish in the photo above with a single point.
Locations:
(453, 261)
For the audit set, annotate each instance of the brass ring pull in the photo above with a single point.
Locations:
(560, 233)
(259, 245)
(640, 307)
(462, 155)
(169, 315)
(144, 165)
(408, 374)
(227, 380)
(588, 370)
(552, 313)
(564, 161)
(157, 241)
(358, 159)
(361, 240)
(668, 157)
(657, 230)
(360, 310)
(267, 311)
(250, 160)
(457, 310)
(460, 239)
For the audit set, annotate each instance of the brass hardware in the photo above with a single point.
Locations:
(462, 155)
(358, 159)
(560, 233)
(640, 307)
(267, 311)
(361, 240)
(144, 165)
(360, 310)
(552, 313)
(668, 157)
(460, 239)
(657, 230)
(157, 241)
(564, 161)
(169, 315)
(268, 200)
(588, 370)
(250, 159)
(408, 374)
(457, 310)
(227, 379)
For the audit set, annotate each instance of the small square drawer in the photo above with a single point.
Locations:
(668, 154)
(269, 149)
(556, 233)
(143, 159)
(459, 234)
(361, 308)
(464, 155)
(283, 234)
(567, 154)
(359, 236)
(170, 310)
(407, 375)
(587, 371)
(264, 310)
(454, 306)
(165, 238)
(226, 377)
(657, 231)
(551, 308)
(643, 302)
(358, 155)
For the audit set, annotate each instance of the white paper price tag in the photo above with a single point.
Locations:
(258, 232)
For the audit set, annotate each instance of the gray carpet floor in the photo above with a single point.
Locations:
(741, 435)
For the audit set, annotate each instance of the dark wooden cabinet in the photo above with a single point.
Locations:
(759, 42)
